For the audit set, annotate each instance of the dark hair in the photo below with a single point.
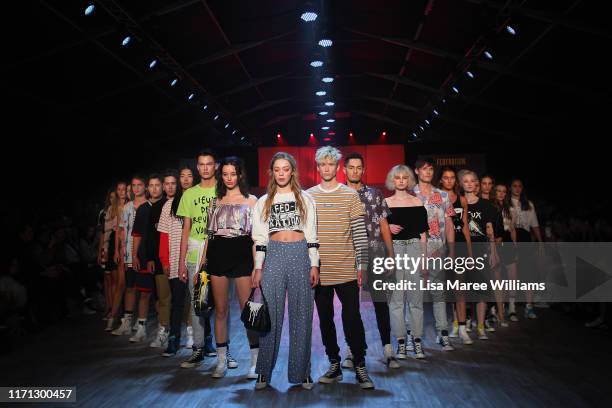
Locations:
(443, 170)
(138, 177)
(503, 207)
(240, 172)
(423, 161)
(171, 173)
(353, 155)
(206, 152)
(179, 192)
(525, 206)
(155, 176)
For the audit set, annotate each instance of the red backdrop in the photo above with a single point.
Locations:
(378, 160)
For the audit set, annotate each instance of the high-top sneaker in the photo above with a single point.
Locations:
(161, 340)
(109, 324)
(482, 334)
(197, 356)
(529, 312)
(348, 361)
(252, 375)
(419, 354)
(489, 327)
(390, 359)
(364, 380)
(125, 327)
(468, 325)
(262, 382)
(172, 348)
(333, 374)
(231, 362)
(221, 367)
(401, 349)
(464, 335)
(455, 332)
(444, 341)
(141, 332)
(409, 342)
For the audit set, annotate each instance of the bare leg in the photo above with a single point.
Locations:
(220, 286)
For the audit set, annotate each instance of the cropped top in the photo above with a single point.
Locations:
(230, 220)
(284, 216)
(412, 219)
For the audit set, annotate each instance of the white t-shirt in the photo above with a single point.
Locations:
(523, 219)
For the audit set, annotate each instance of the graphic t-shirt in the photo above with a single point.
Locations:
(438, 208)
(376, 209)
(335, 211)
(479, 214)
(194, 204)
(127, 223)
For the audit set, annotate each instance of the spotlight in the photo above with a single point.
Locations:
(316, 63)
(455, 90)
(309, 16)
(488, 55)
(152, 64)
(324, 127)
(216, 117)
(190, 97)
(327, 79)
(174, 81)
(126, 40)
(329, 103)
(414, 135)
(350, 134)
(443, 100)
(312, 135)
(325, 42)
(327, 139)
(278, 135)
(330, 120)
(510, 30)
(427, 121)
(321, 93)
(384, 133)
(233, 132)
(323, 113)
(242, 138)
(422, 128)
(226, 126)
(205, 107)
(435, 112)
(469, 74)
(89, 9)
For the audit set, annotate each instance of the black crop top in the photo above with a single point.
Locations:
(413, 219)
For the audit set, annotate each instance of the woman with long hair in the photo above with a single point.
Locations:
(285, 235)
(229, 254)
(526, 224)
(481, 220)
(463, 245)
(506, 249)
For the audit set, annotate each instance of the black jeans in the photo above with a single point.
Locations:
(383, 320)
(348, 293)
(178, 289)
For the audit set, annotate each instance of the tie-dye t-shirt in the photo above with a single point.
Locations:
(438, 208)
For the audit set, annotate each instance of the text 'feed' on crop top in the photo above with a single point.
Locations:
(230, 220)
(284, 216)
(413, 220)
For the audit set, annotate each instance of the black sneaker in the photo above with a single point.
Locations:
(209, 348)
(197, 356)
(173, 346)
(333, 374)
(231, 362)
(401, 349)
(308, 384)
(364, 380)
(444, 341)
(262, 382)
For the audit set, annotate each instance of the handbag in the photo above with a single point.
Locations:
(256, 316)
(202, 294)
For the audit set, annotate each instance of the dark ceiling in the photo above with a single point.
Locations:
(75, 91)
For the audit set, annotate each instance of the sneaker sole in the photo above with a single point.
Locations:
(217, 376)
(391, 364)
(448, 348)
(401, 356)
(232, 366)
(193, 365)
(251, 377)
(348, 365)
(420, 357)
(308, 386)
(324, 380)
(366, 386)
(168, 354)
(259, 387)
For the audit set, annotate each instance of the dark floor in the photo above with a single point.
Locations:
(549, 362)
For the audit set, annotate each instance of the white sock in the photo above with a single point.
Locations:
(254, 355)
(511, 306)
(221, 354)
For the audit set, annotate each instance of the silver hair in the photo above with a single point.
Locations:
(328, 152)
(400, 169)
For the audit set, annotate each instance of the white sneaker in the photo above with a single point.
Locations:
(594, 323)
(488, 327)
(252, 375)
(135, 328)
(444, 342)
(189, 335)
(513, 317)
(464, 336)
(141, 334)
(125, 327)
(390, 357)
(504, 324)
(161, 340)
(455, 332)
(401, 350)
(221, 367)
(482, 334)
(409, 343)
(348, 360)
(109, 324)
(468, 325)
(419, 354)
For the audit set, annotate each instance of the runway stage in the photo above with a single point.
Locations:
(549, 362)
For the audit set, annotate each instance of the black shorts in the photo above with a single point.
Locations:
(130, 277)
(145, 282)
(507, 253)
(230, 257)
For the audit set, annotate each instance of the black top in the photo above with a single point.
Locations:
(412, 219)
(479, 214)
(458, 220)
(145, 226)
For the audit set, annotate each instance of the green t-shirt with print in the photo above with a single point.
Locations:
(194, 204)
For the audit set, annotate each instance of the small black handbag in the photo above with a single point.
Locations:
(256, 316)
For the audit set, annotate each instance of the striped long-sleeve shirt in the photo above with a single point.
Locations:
(342, 234)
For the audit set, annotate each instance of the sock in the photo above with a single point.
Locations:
(142, 322)
(455, 323)
(511, 306)
(481, 326)
(222, 352)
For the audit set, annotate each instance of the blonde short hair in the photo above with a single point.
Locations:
(328, 152)
(400, 169)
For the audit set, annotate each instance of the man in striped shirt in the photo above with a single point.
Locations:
(343, 255)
